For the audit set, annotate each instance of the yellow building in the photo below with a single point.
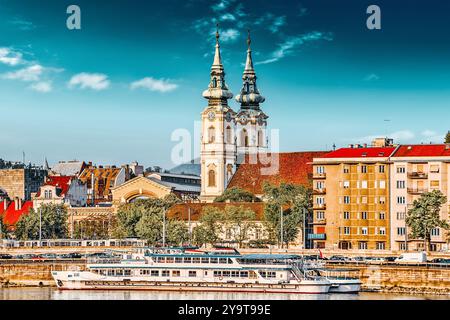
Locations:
(351, 198)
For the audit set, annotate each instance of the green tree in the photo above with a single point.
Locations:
(210, 226)
(150, 225)
(54, 223)
(447, 137)
(3, 229)
(424, 216)
(236, 194)
(177, 232)
(293, 201)
(129, 215)
(240, 221)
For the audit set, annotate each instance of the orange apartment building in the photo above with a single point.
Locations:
(351, 195)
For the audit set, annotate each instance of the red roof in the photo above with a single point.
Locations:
(11, 215)
(294, 167)
(423, 150)
(61, 182)
(374, 152)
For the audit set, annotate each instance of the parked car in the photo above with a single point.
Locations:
(337, 258)
(49, 256)
(73, 255)
(37, 257)
(440, 260)
(390, 259)
(5, 256)
(417, 257)
(25, 256)
(358, 259)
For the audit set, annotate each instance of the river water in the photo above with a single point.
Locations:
(48, 293)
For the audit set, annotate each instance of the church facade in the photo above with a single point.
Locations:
(228, 135)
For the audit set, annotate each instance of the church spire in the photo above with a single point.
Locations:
(249, 97)
(217, 90)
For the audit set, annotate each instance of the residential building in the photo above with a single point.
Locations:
(351, 198)
(67, 190)
(417, 169)
(21, 182)
(11, 211)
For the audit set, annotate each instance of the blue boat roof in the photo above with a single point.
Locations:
(258, 256)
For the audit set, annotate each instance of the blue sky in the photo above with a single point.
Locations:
(114, 91)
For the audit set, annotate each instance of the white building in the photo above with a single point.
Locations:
(61, 190)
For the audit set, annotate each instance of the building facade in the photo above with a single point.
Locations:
(351, 199)
(21, 183)
(65, 190)
(417, 169)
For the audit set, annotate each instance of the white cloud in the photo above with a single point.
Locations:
(10, 57)
(152, 84)
(221, 5)
(372, 77)
(227, 16)
(31, 73)
(398, 136)
(22, 24)
(42, 86)
(277, 23)
(429, 133)
(95, 81)
(229, 35)
(292, 43)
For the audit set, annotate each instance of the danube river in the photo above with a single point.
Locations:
(48, 293)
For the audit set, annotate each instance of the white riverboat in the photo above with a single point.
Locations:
(180, 269)
(342, 280)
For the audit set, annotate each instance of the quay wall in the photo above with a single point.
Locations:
(386, 278)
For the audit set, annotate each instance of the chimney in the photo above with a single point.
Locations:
(365, 145)
(350, 146)
(447, 146)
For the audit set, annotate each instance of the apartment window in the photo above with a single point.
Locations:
(402, 246)
(435, 232)
(363, 169)
(346, 230)
(346, 169)
(401, 200)
(381, 169)
(362, 245)
(320, 185)
(347, 199)
(434, 168)
(364, 184)
(320, 169)
(381, 215)
(401, 231)
(434, 184)
(401, 215)
(401, 170)
(320, 215)
(382, 184)
(346, 184)
(364, 200)
(382, 231)
(382, 200)
(320, 200)
(401, 184)
(364, 231)
(346, 215)
(381, 246)
(364, 215)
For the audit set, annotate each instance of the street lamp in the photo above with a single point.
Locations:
(164, 227)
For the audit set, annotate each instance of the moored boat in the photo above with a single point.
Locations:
(179, 269)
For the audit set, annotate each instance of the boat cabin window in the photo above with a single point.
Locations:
(119, 272)
(244, 274)
(226, 273)
(155, 273)
(127, 272)
(145, 272)
(268, 274)
(187, 260)
(164, 273)
(192, 273)
(160, 259)
(178, 260)
(169, 259)
(222, 260)
(214, 260)
(205, 260)
(195, 260)
(175, 273)
(229, 261)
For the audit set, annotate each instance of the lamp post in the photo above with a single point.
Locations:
(281, 226)
(40, 225)
(164, 227)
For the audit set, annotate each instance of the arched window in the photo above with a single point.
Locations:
(228, 134)
(211, 134)
(260, 138)
(229, 171)
(247, 87)
(244, 138)
(211, 178)
(214, 83)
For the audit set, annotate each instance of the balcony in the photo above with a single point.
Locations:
(320, 221)
(317, 236)
(417, 190)
(319, 175)
(318, 206)
(320, 191)
(417, 175)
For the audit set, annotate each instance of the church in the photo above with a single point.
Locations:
(228, 135)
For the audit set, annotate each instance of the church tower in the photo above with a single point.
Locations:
(251, 121)
(218, 143)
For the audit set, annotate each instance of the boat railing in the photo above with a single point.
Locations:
(95, 260)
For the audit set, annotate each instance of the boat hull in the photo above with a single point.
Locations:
(345, 286)
(304, 287)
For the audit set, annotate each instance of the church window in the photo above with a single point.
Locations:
(228, 135)
(247, 87)
(211, 178)
(214, 83)
(229, 171)
(260, 138)
(211, 134)
(244, 138)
